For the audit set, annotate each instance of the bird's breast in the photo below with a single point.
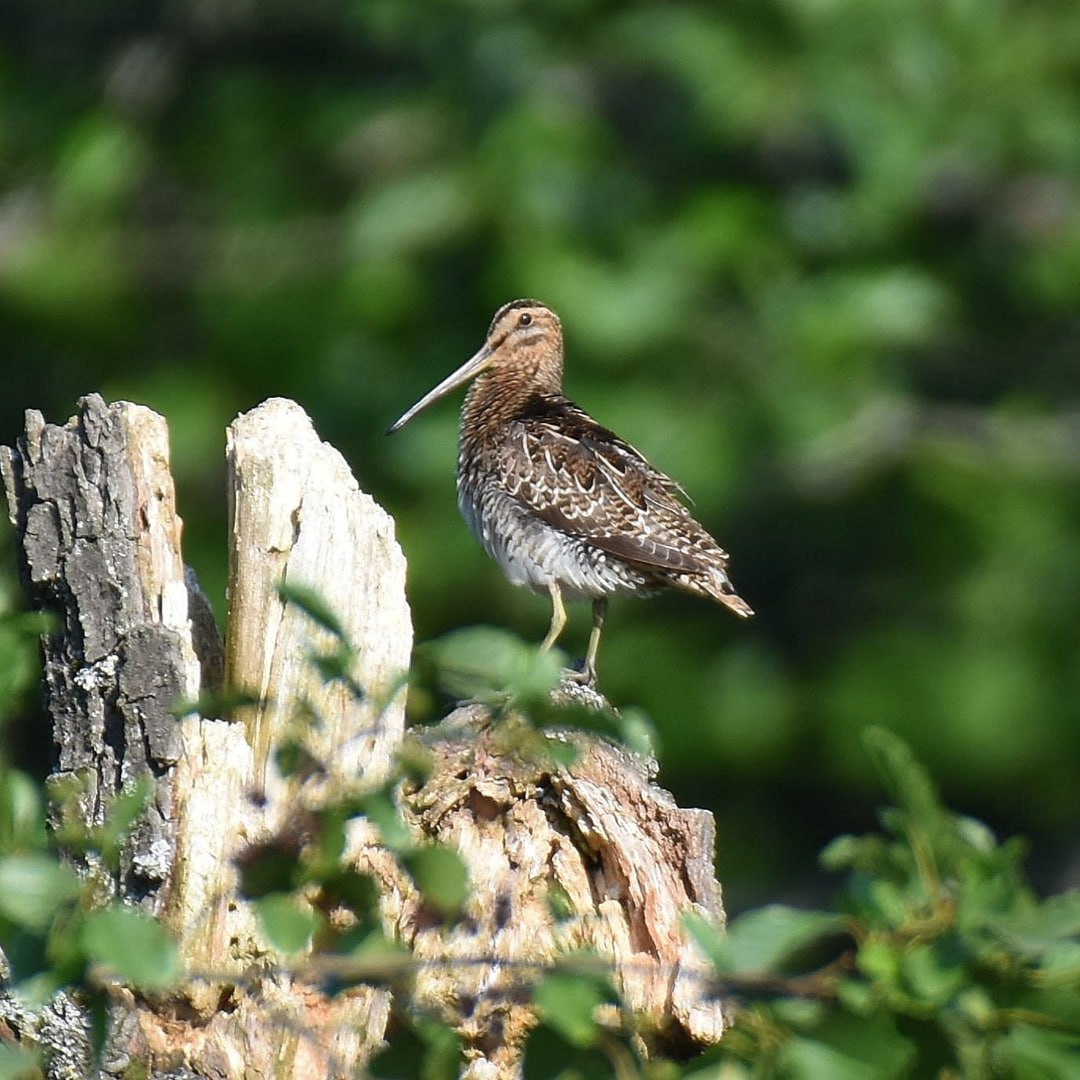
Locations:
(533, 553)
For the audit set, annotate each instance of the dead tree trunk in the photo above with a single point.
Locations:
(94, 509)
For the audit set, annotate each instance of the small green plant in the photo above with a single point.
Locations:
(54, 931)
(942, 961)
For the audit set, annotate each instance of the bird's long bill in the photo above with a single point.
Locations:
(470, 369)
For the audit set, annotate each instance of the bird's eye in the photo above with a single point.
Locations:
(525, 319)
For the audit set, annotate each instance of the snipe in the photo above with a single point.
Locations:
(560, 502)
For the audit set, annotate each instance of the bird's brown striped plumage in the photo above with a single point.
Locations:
(562, 503)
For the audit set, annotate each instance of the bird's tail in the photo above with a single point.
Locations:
(720, 588)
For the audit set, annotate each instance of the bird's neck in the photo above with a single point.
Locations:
(496, 398)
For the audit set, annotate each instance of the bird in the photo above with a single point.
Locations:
(561, 503)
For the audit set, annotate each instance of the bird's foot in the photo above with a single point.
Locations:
(577, 688)
(582, 673)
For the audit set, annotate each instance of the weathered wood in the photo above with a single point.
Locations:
(625, 861)
(297, 516)
(95, 512)
(94, 508)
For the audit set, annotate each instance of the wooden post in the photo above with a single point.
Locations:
(298, 517)
(94, 509)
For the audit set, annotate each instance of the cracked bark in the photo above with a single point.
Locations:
(94, 507)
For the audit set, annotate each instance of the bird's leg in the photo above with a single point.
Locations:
(599, 611)
(558, 617)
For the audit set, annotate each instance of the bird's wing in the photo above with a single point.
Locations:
(583, 479)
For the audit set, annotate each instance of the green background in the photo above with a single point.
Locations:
(819, 260)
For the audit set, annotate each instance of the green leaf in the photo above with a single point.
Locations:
(799, 1013)
(27, 957)
(1043, 927)
(1061, 965)
(631, 726)
(867, 853)
(380, 960)
(287, 926)
(123, 813)
(559, 902)
(904, 778)
(22, 813)
(809, 1059)
(132, 944)
(103, 159)
(568, 1003)
(874, 1041)
(637, 732)
(414, 761)
(223, 703)
(710, 939)
(550, 1056)
(127, 806)
(1032, 1053)
(880, 960)
(293, 758)
(481, 661)
(441, 875)
(762, 940)
(1056, 1003)
(273, 867)
(382, 811)
(312, 604)
(726, 1069)
(34, 887)
(421, 1050)
(857, 996)
(556, 748)
(96, 1003)
(888, 903)
(337, 666)
(18, 1064)
(932, 977)
(354, 890)
(328, 842)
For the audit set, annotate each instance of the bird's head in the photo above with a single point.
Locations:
(524, 347)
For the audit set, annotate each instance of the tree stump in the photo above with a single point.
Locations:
(95, 512)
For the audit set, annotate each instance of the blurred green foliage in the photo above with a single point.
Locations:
(60, 930)
(957, 969)
(820, 261)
